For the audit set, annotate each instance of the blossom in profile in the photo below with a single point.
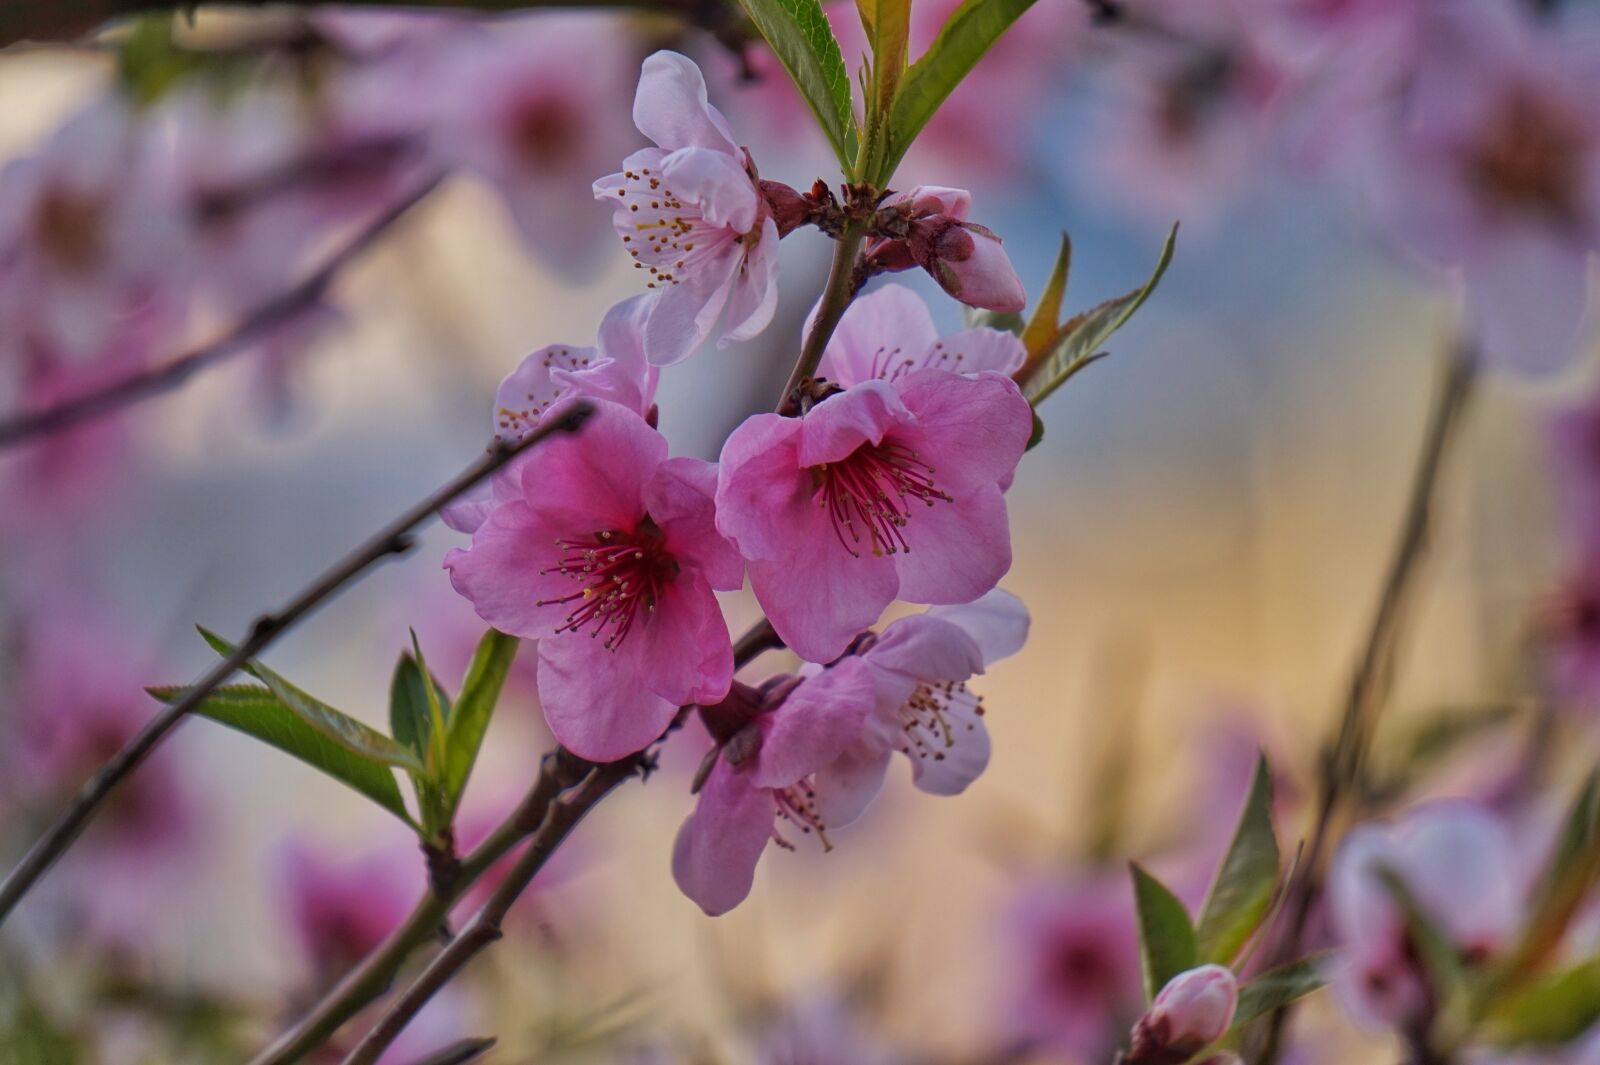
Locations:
(889, 332)
(1458, 863)
(924, 709)
(890, 488)
(607, 554)
(1191, 1012)
(690, 212)
(762, 789)
(614, 370)
(966, 259)
(1490, 167)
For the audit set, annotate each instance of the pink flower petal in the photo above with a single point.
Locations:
(820, 598)
(846, 786)
(925, 648)
(997, 622)
(716, 183)
(594, 700)
(595, 479)
(840, 424)
(510, 568)
(672, 109)
(683, 650)
(816, 724)
(681, 498)
(714, 857)
(879, 333)
(959, 550)
(761, 493)
(754, 298)
(971, 430)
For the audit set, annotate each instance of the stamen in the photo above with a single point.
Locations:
(621, 574)
(926, 717)
(875, 486)
(797, 804)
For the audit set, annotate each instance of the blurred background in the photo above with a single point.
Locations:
(1200, 540)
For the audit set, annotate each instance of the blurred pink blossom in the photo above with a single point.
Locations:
(341, 906)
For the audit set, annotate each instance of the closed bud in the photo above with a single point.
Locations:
(1190, 1013)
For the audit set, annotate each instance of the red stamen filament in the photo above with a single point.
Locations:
(875, 486)
(620, 574)
(797, 804)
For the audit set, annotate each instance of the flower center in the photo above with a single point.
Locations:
(1531, 158)
(872, 491)
(669, 235)
(926, 717)
(621, 574)
(544, 131)
(797, 804)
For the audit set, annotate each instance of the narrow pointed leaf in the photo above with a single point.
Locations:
(409, 717)
(888, 26)
(1166, 938)
(803, 41)
(969, 33)
(1078, 341)
(259, 713)
(1566, 882)
(1046, 317)
(469, 719)
(1550, 1011)
(337, 726)
(1244, 884)
(1277, 988)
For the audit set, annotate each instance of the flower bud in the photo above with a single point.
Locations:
(928, 227)
(971, 266)
(1192, 1011)
(789, 209)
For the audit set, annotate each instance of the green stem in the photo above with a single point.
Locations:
(836, 299)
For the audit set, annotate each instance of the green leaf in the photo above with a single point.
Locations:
(1005, 321)
(1278, 987)
(339, 727)
(410, 718)
(1574, 868)
(480, 694)
(1078, 342)
(257, 712)
(1555, 1009)
(969, 33)
(888, 26)
(1036, 437)
(1167, 944)
(803, 41)
(1046, 319)
(1242, 891)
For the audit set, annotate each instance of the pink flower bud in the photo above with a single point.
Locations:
(973, 267)
(1192, 1011)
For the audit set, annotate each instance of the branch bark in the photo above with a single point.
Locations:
(394, 539)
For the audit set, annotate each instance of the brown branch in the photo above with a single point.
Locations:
(394, 539)
(30, 425)
(1343, 761)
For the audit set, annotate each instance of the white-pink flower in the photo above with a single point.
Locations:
(690, 211)
(1191, 1012)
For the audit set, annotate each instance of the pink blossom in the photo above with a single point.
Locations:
(527, 105)
(1072, 974)
(924, 708)
(615, 370)
(746, 800)
(340, 907)
(608, 556)
(690, 211)
(1492, 168)
(889, 333)
(827, 508)
(1192, 1011)
(964, 257)
(1457, 862)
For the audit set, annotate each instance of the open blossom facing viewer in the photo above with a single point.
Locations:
(691, 212)
(888, 489)
(746, 798)
(608, 556)
(924, 709)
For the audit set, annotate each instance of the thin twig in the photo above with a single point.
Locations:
(394, 539)
(1343, 761)
(836, 298)
(485, 926)
(369, 980)
(29, 425)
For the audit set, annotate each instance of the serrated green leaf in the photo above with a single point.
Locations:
(336, 725)
(1167, 944)
(480, 694)
(259, 713)
(1046, 317)
(1078, 341)
(409, 717)
(1278, 987)
(1245, 881)
(803, 41)
(1554, 1009)
(969, 33)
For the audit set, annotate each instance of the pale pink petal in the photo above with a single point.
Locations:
(681, 498)
(997, 622)
(510, 569)
(716, 183)
(714, 857)
(985, 278)
(683, 315)
(926, 648)
(843, 422)
(978, 350)
(595, 700)
(532, 389)
(595, 479)
(937, 199)
(755, 290)
(971, 430)
(816, 724)
(948, 767)
(846, 786)
(959, 550)
(672, 109)
(1458, 862)
(881, 332)
(609, 189)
